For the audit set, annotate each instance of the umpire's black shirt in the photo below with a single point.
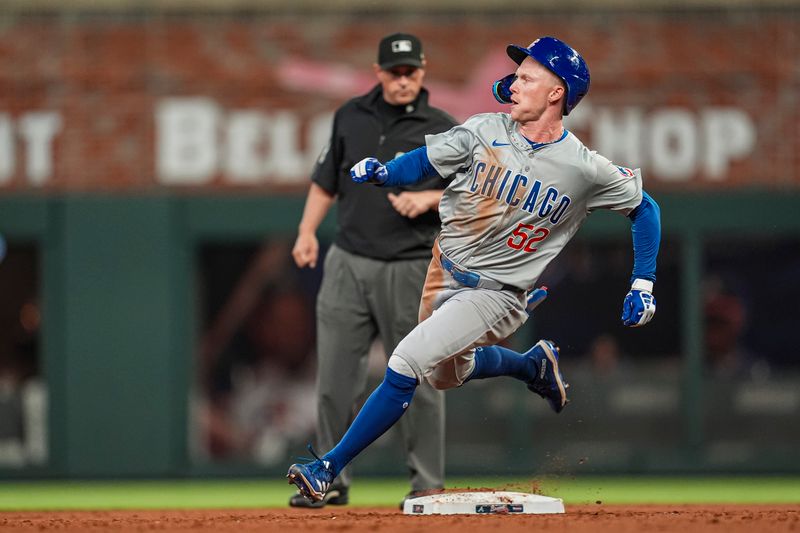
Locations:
(367, 126)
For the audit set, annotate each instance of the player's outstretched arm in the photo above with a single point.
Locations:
(407, 169)
(639, 305)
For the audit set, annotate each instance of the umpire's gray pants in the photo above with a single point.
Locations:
(361, 299)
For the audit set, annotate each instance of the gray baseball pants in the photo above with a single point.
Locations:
(454, 320)
(361, 299)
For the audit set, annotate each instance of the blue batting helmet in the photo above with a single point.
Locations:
(562, 60)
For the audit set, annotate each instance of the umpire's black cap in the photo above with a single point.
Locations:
(400, 49)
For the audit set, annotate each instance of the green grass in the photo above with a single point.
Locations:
(48, 495)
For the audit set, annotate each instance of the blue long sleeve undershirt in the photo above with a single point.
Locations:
(646, 232)
(410, 168)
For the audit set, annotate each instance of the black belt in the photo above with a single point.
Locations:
(473, 279)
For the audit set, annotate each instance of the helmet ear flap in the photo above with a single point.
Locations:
(501, 89)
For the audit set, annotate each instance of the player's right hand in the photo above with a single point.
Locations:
(369, 170)
(306, 250)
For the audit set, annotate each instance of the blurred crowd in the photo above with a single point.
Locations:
(23, 395)
(256, 359)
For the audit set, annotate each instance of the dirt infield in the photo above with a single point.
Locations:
(578, 519)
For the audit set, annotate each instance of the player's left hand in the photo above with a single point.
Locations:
(369, 170)
(413, 204)
(639, 306)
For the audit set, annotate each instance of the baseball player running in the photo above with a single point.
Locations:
(520, 188)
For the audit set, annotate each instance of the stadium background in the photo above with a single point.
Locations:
(153, 161)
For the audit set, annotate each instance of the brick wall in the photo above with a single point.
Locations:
(699, 100)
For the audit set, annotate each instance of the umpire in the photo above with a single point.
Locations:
(375, 269)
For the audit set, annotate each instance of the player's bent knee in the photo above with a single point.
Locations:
(399, 365)
(452, 373)
(440, 384)
(442, 378)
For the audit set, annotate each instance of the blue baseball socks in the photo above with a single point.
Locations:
(389, 401)
(493, 361)
(382, 409)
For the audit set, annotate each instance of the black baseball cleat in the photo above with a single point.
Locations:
(416, 494)
(335, 496)
(548, 382)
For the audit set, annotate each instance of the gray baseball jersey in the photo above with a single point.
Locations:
(510, 207)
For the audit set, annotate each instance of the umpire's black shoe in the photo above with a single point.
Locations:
(335, 496)
(416, 494)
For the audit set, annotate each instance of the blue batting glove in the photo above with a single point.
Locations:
(535, 297)
(369, 170)
(639, 306)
